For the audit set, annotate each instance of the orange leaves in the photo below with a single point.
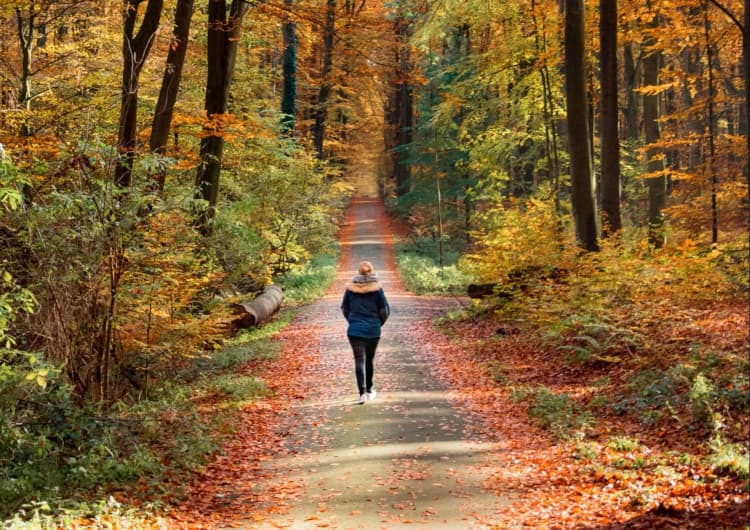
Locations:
(618, 474)
(227, 492)
(637, 480)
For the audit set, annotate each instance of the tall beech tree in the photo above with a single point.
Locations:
(551, 133)
(223, 40)
(631, 81)
(711, 125)
(400, 108)
(746, 72)
(608, 122)
(584, 211)
(657, 182)
(324, 94)
(289, 71)
(27, 22)
(135, 48)
(171, 82)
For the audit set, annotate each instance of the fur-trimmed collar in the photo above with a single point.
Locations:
(361, 288)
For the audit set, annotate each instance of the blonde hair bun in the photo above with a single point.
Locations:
(365, 268)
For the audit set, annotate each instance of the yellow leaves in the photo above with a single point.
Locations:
(512, 237)
(38, 376)
(654, 90)
(164, 276)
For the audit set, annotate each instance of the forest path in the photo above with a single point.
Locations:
(445, 445)
(405, 459)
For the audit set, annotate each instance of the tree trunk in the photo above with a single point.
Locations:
(401, 111)
(259, 310)
(325, 88)
(405, 124)
(26, 40)
(657, 185)
(223, 40)
(609, 133)
(630, 115)
(171, 83)
(289, 69)
(584, 212)
(550, 131)
(134, 52)
(711, 127)
(746, 77)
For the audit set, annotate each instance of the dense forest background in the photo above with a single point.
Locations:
(160, 159)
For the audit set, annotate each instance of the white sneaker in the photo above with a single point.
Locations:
(371, 394)
(362, 399)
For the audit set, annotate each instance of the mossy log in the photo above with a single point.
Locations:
(259, 310)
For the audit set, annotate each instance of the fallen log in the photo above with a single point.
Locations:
(518, 280)
(480, 290)
(483, 290)
(259, 310)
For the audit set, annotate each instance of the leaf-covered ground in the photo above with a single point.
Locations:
(618, 474)
(449, 442)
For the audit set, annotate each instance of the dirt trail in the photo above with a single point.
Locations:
(422, 456)
(402, 460)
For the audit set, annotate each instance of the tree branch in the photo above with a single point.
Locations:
(731, 16)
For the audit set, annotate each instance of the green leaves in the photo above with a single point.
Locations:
(11, 184)
(14, 299)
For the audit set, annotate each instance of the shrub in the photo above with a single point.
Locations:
(239, 388)
(623, 443)
(729, 458)
(310, 280)
(558, 413)
(423, 276)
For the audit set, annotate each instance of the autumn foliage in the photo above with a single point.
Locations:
(624, 370)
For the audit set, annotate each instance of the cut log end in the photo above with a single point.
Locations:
(258, 311)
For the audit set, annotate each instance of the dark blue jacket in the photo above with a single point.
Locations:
(366, 309)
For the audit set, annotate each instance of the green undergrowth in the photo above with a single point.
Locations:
(106, 513)
(656, 339)
(309, 282)
(422, 272)
(63, 463)
(557, 412)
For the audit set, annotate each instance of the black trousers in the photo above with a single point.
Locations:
(364, 353)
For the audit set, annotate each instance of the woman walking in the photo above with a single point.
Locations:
(366, 310)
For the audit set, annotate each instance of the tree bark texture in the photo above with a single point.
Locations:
(170, 83)
(259, 310)
(134, 52)
(223, 40)
(608, 122)
(26, 40)
(657, 185)
(584, 211)
(25, 30)
(289, 69)
(324, 94)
